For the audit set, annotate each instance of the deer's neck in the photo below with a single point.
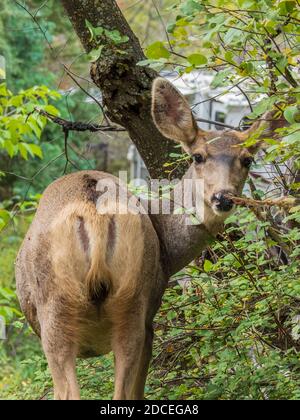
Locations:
(182, 241)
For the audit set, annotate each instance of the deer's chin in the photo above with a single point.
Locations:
(222, 214)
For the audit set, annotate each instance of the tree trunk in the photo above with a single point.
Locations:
(125, 86)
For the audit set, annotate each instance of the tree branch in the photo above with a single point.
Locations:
(77, 126)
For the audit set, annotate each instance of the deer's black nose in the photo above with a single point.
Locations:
(222, 201)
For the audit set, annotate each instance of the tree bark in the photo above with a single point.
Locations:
(125, 86)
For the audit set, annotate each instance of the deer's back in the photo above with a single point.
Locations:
(85, 260)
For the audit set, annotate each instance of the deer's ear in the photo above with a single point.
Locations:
(172, 114)
(263, 128)
(257, 131)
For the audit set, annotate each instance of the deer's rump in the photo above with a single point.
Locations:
(82, 271)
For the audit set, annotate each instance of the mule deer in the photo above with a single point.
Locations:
(90, 283)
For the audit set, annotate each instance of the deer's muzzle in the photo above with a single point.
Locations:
(222, 201)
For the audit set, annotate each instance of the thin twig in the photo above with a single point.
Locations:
(203, 120)
(73, 77)
(34, 18)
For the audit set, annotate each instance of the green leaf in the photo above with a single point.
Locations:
(190, 7)
(52, 110)
(95, 32)
(9, 147)
(171, 27)
(230, 35)
(180, 33)
(292, 114)
(286, 7)
(144, 63)
(34, 150)
(35, 127)
(292, 139)
(197, 59)
(116, 37)
(16, 101)
(208, 266)
(4, 219)
(157, 50)
(6, 292)
(2, 73)
(229, 57)
(23, 150)
(264, 105)
(95, 54)
(220, 78)
(247, 68)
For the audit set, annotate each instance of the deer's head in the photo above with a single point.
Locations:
(219, 157)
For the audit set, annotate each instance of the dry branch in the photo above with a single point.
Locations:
(286, 203)
(77, 126)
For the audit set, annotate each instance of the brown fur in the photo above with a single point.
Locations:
(90, 283)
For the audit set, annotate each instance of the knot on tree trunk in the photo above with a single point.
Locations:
(125, 86)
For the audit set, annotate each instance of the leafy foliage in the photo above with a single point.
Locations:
(99, 32)
(234, 333)
(18, 126)
(20, 130)
(255, 43)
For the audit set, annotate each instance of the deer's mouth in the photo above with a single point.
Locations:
(222, 213)
(222, 203)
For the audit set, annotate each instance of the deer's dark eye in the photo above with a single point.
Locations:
(247, 162)
(198, 158)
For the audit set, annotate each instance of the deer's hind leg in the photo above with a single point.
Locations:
(144, 362)
(61, 351)
(128, 345)
(62, 365)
